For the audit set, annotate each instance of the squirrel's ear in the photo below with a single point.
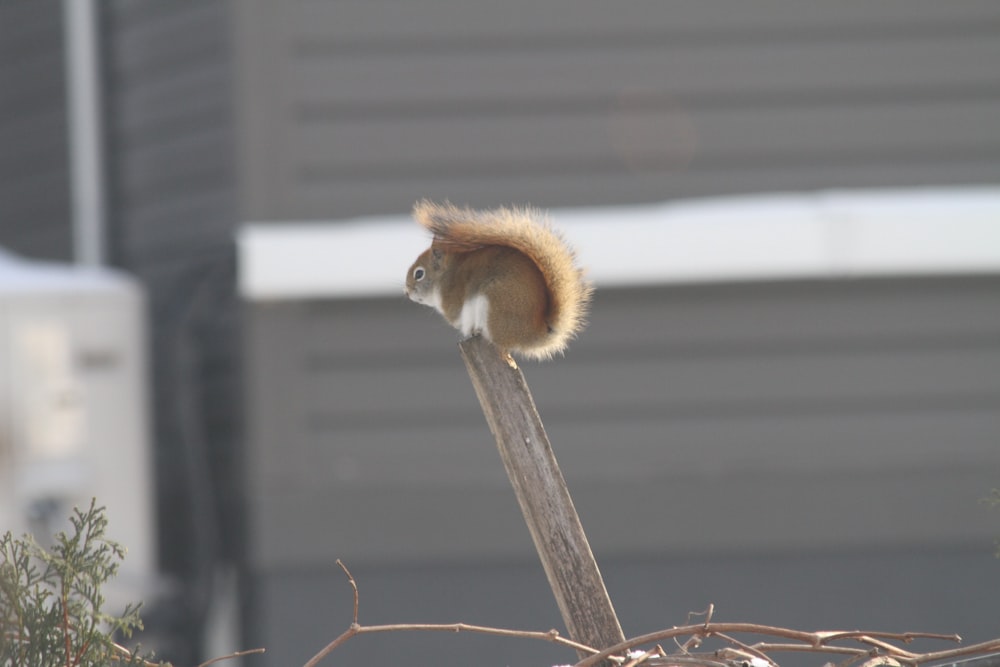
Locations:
(436, 253)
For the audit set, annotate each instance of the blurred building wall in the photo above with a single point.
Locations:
(220, 113)
(364, 107)
(34, 170)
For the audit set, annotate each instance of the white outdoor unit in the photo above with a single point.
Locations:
(73, 408)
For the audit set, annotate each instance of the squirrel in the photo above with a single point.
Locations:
(503, 273)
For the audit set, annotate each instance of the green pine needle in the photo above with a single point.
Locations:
(51, 607)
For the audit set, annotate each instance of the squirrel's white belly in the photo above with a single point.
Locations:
(474, 316)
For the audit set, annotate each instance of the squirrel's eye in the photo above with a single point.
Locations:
(419, 273)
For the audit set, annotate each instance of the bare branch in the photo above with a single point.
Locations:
(355, 629)
(809, 641)
(354, 586)
(873, 648)
(125, 653)
(749, 650)
(709, 610)
(326, 650)
(990, 646)
(358, 629)
(237, 654)
(643, 657)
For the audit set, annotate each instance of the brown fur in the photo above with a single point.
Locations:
(538, 297)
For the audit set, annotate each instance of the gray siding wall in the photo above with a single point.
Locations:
(366, 106)
(867, 402)
(950, 590)
(701, 419)
(173, 202)
(34, 171)
(171, 129)
(743, 439)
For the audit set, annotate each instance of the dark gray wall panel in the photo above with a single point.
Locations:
(348, 113)
(943, 590)
(356, 22)
(873, 404)
(172, 196)
(35, 197)
(810, 455)
(171, 128)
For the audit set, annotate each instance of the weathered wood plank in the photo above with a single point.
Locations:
(543, 495)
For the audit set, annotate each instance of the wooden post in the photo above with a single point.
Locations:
(542, 494)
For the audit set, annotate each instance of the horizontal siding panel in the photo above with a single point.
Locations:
(423, 519)
(851, 383)
(161, 109)
(713, 319)
(583, 77)
(41, 199)
(172, 130)
(583, 104)
(641, 451)
(363, 22)
(198, 156)
(871, 403)
(731, 352)
(674, 322)
(34, 180)
(652, 138)
(610, 182)
(445, 454)
(665, 448)
(385, 523)
(30, 83)
(156, 230)
(187, 36)
(24, 24)
(172, 188)
(39, 235)
(36, 138)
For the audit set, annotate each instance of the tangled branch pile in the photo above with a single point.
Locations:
(854, 648)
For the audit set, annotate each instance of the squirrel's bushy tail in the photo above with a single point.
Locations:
(528, 231)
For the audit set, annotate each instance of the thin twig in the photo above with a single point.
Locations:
(694, 641)
(847, 662)
(972, 649)
(777, 647)
(341, 638)
(693, 660)
(355, 629)
(709, 610)
(643, 657)
(125, 653)
(358, 629)
(889, 649)
(875, 644)
(237, 654)
(749, 650)
(811, 641)
(905, 637)
(701, 629)
(354, 587)
(128, 654)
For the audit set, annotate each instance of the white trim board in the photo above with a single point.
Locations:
(835, 234)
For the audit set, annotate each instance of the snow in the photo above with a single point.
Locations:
(784, 236)
(19, 276)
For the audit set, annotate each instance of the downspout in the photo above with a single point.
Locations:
(86, 157)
